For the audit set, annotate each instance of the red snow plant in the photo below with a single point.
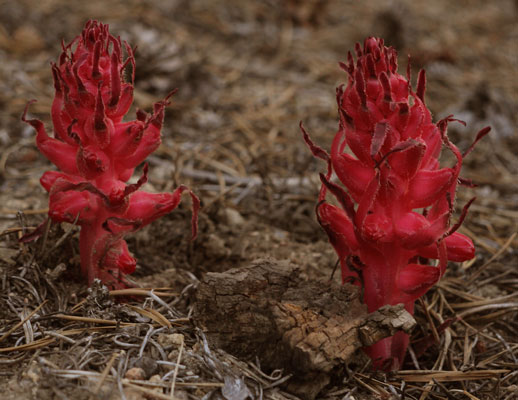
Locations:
(96, 153)
(391, 229)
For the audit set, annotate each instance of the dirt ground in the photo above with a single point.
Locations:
(247, 74)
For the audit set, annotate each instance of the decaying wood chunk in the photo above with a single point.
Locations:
(307, 327)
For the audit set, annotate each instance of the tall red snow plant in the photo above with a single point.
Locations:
(391, 228)
(96, 153)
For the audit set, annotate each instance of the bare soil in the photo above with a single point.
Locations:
(248, 73)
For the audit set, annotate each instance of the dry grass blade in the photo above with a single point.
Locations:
(29, 346)
(248, 72)
(449, 376)
(178, 360)
(149, 393)
(161, 292)
(496, 356)
(104, 374)
(493, 258)
(92, 320)
(28, 317)
(446, 286)
(153, 315)
(6, 211)
(426, 309)
(466, 394)
(78, 306)
(16, 230)
(376, 390)
(184, 384)
(45, 341)
(508, 307)
(484, 302)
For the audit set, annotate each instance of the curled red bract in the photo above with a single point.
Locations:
(96, 153)
(391, 229)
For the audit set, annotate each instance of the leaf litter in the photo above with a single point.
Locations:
(247, 74)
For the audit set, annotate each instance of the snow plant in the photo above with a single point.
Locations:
(96, 153)
(391, 228)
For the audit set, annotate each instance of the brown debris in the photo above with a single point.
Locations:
(247, 74)
(268, 311)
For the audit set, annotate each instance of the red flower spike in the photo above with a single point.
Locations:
(96, 154)
(393, 218)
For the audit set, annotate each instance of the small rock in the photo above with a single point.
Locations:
(233, 217)
(148, 365)
(158, 390)
(235, 389)
(34, 373)
(215, 246)
(280, 235)
(135, 373)
(170, 339)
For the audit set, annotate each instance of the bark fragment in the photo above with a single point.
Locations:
(309, 328)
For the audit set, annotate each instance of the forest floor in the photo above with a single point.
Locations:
(247, 74)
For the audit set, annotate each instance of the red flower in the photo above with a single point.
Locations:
(394, 218)
(96, 153)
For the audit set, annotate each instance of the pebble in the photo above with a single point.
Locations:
(169, 339)
(135, 373)
(233, 217)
